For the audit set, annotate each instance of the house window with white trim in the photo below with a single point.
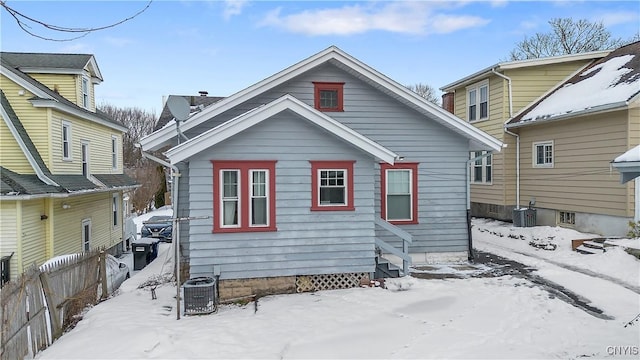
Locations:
(244, 196)
(478, 101)
(481, 169)
(85, 92)
(114, 152)
(86, 235)
(66, 141)
(115, 209)
(332, 185)
(84, 149)
(399, 200)
(543, 154)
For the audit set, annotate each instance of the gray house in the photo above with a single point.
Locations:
(301, 181)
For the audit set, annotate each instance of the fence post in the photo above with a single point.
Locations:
(103, 274)
(54, 314)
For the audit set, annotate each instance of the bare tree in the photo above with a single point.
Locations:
(151, 178)
(28, 23)
(426, 91)
(566, 37)
(139, 122)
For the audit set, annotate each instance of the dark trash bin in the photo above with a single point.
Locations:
(145, 250)
(200, 296)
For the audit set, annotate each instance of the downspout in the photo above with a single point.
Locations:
(175, 174)
(468, 174)
(636, 216)
(493, 70)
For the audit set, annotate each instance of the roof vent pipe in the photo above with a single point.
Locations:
(203, 93)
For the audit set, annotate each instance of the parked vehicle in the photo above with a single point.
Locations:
(117, 271)
(158, 227)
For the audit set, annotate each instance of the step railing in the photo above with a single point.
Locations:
(386, 247)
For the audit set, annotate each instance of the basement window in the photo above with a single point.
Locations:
(566, 218)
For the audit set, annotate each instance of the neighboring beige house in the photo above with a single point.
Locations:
(62, 187)
(488, 99)
(568, 139)
(560, 161)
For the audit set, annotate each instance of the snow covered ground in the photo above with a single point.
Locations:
(472, 317)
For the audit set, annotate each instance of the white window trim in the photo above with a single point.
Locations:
(115, 211)
(114, 152)
(85, 241)
(266, 196)
(346, 187)
(472, 173)
(66, 125)
(477, 87)
(84, 143)
(411, 194)
(534, 154)
(238, 198)
(86, 98)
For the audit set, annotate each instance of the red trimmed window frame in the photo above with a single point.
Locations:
(384, 167)
(316, 167)
(244, 167)
(328, 86)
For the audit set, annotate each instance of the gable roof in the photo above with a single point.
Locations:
(257, 115)
(194, 102)
(608, 84)
(45, 97)
(49, 63)
(507, 65)
(339, 58)
(24, 141)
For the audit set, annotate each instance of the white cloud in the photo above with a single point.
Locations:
(615, 18)
(499, 3)
(406, 17)
(233, 8)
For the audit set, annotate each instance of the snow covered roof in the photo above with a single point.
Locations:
(609, 83)
(628, 164)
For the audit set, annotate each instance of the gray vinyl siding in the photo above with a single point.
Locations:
(306, 242)
(442, 154)
(183, 208)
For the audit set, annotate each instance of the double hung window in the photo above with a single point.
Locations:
(332, 185)
(244, 196)
(399, 193)
(478, 101)
(481, 169)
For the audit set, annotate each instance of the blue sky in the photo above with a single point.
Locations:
(182, 47)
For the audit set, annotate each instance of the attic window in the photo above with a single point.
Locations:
(328, 96)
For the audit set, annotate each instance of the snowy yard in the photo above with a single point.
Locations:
(471, 317)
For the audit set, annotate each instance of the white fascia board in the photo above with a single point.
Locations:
(445, 117)
(25, 151)
(521, 64)
(157, 139)
(53, 104)
(264, 112)
(28, 86)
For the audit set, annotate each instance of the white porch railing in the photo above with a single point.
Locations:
(386, 247)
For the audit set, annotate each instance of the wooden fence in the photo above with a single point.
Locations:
(38, 306)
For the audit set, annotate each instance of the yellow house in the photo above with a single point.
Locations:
(560, 163)
(62, 186)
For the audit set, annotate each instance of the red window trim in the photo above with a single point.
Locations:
(414, 188)
(244, 166)
(315, 189)
(337, 86)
